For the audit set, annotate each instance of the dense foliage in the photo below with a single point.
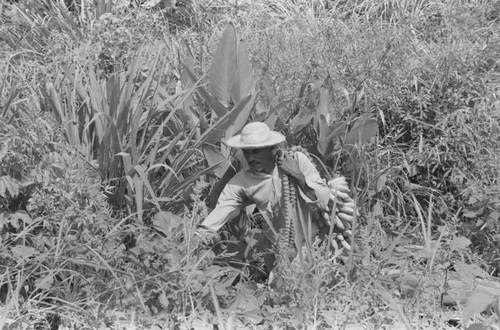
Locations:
(113, 117)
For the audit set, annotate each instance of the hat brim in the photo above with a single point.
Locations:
(235, 142)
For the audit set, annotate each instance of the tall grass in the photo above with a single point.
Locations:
(140, 135)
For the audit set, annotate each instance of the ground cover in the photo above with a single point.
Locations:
(111, 122)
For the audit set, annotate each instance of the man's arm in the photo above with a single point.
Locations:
(307, 177)
(228, 207)
(290, 164)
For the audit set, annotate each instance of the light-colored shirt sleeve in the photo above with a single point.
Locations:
(229, 205)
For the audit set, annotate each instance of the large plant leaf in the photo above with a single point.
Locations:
(9, 101)
(244, 109)
(231, 170)
(325, 103)
(321, 122)
(300, 121)
(324, 108)
(223, 67)
(218, 107)
(215, 133)
(242, 83)
(478, 301)
(362, 130)
(215, 157)
(186, 83)
(174, 191)
(329, 136)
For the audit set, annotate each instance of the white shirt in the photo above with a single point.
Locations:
(264, 190)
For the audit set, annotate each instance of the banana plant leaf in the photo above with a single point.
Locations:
(217, 106)
(362, 130)
(223, 67)
(242, 83)
(300, 121)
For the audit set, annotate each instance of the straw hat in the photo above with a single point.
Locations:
(255, 135)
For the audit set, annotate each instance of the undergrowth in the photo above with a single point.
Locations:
(110, 143)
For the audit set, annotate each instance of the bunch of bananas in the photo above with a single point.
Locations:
(337, 220)
(342, 215)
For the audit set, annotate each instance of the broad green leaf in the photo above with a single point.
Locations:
(478, 301)
(271, 120)
(244, 109)
(187, 84)
(219, 108)
(7, 184)
(328, 137)
(323, 109)
(176, 190)
(322, 131)
(331, 318)
(151, 149)
(381, 180)
(460, 243)
(324, 106)
(215, 157)
(215, 132)
(469, 272)
(223, 67)
(300, 121)
(168, 150)
(19, 219)
(166, 222)
(242, 83)
(145, 182)
(220, 184)
(322, 118)
(138, 194)
(23, 252)
(44, 283)
(362, 130)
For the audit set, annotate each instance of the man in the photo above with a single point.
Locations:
(259, 183)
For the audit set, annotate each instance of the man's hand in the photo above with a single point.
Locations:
(204, 237)
(290, 165)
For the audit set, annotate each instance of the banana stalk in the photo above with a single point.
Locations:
(289, 200)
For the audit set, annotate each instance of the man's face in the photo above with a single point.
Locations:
(260, 160)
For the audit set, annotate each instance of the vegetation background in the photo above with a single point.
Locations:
(111, 118)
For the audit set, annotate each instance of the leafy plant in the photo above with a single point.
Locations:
(331, 137)
(8, 99)
(230, 90)
(423, 74)
(31, 25)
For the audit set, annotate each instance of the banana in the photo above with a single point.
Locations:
(339, 183)
(342, 241)
(345, 217)
(346, 245)
(338, 224)
(326, 218)
(339, 180)
(348, 239)
(346, 210)
(350, 205)
(339, 195)
(335, 245)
